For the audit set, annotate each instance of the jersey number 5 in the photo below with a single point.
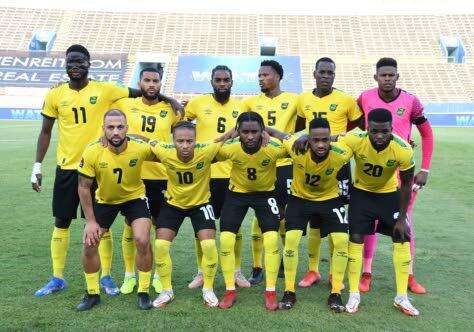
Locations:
(271, 118)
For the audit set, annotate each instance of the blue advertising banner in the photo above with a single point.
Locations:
(44, 69)
(451, 119)
(436, 119)
(194, 73)
(20, 114)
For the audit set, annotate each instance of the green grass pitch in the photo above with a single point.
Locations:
(445, 265)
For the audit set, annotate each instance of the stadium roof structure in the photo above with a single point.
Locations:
(295, 7)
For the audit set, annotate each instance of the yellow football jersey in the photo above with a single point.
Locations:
(252, 172)
(80, 116)
(317, 181)
(377, 171)
(338, 107)
(278, 112)
(153, 122)
(118, 175)
(213, 120)
(188, 183)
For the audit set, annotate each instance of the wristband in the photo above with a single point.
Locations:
(425, 170)
(36, 168)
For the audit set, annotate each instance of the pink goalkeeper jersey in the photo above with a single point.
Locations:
(405, 108)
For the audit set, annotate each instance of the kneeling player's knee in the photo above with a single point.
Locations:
(357, 238)
(62, 223)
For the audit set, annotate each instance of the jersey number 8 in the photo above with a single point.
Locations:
(251, 173)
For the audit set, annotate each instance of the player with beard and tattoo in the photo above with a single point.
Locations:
(150, 118)
(278, 109)
(79, 106)
(215, 113)
(116, 166)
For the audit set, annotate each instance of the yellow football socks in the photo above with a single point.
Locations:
(314, 247)
(128, 249)
(290, 258)
(272, 258)
(59, 247)
(339, 259)
(144, 281)
(164, 265)
(257, 244)
(238, 250)
(105, 252)
(197, 246)
(209, 262)
(331, 252)
(92, 282)
(354, 265)
(227, 256)
(401, 263)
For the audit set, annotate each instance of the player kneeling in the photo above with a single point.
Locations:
(116, 166)
(188, 166)
(315, 195)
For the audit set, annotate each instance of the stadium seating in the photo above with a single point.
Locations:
(354, 42)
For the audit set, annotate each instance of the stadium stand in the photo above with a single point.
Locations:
(355, 42)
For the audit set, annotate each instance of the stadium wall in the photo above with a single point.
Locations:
(445, 115)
